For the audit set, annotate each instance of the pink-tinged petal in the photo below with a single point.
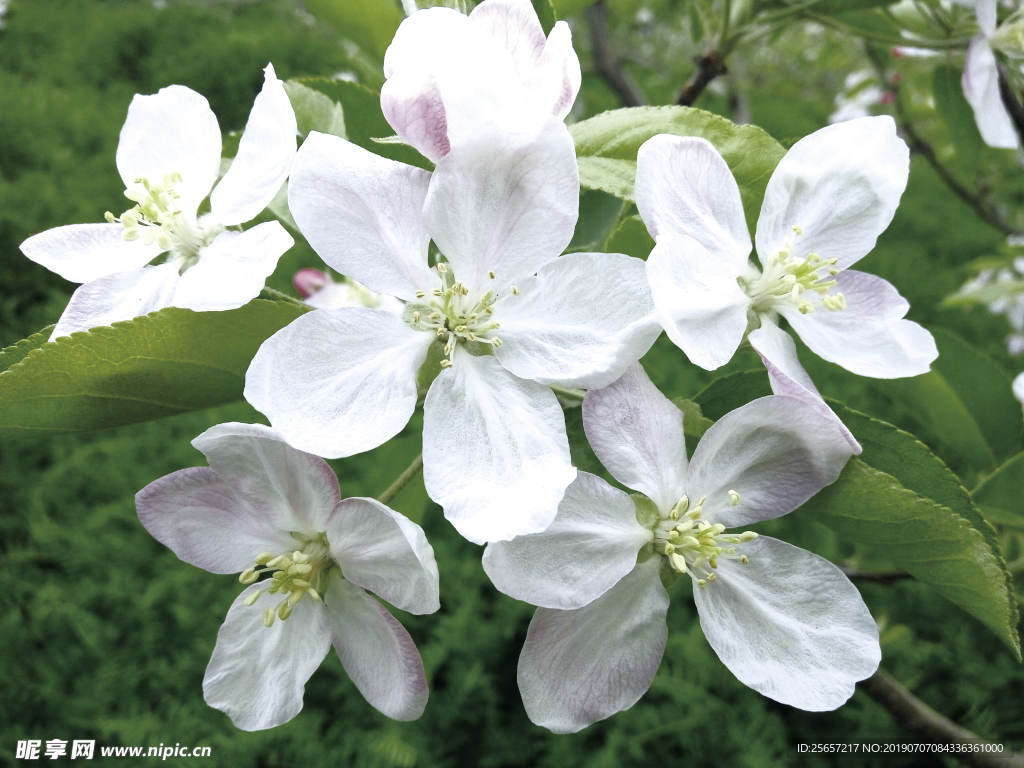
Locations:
(386, 553)
(591, 545)
(294, 491)
(840, 186)
(511, 25)
(504, 202)
(981, 89)
(869, 337)
(985, 12)
(120, 296)
(581, 666)
(685, 187)
(336, 382)
(362, 214)
(495, 453)
(790, 625)
(697, 299)
(207, 521)
(233, 269)
(309, 281)
(257, 675)
(376, 651)
(788, 377)
(557, 78)
(173, 131)
(638, 436)
(579, 322)
(84, 252)
(264, 157)
(775, 452)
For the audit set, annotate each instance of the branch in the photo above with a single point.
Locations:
(606, 62)
(876, 577)
(709, 67)
(923, 148)
(402, 481)
(927, 724)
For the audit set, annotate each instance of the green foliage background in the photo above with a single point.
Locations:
(105, 634)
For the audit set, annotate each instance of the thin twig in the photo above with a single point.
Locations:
(402, 481)
(709, 67)
(876, 577)
(607, 63)
(923, 148)
(927, 724)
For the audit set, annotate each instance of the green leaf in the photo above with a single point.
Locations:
(631, 238)
(370, 24)
(1001, 495)
(168, 362)
(841, 6)
(606, 148)
(582, 455)
(956, 113)
(599, 212)
(868, 23)
(19, 351)
(546, 13)
(728, 393)
(695, 423)
(364, 120)
(966, 401)
(314, 111)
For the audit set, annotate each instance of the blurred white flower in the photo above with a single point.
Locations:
(981, 81)
(169, 159)
(860, 93)
(504, 315)
(1002, 292)
(786, 622)
(262, 507)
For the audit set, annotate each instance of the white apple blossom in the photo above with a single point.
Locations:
(448, 73)
(506, 314)
(981, 80)
(1018, 387)
(169, 159)
(318, 289)
(262, 507)
(825, 205)
(786, 622)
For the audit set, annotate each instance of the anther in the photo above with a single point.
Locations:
(268, 617)
(515, 291)
(490, 274)
(248, 576)
(420, 294)
(446, 363)
(416, 317)
(744, 559)
(734, 498)
(700, 583)
(284, 610)
(712, 577)
(747, 536)
(251, 599)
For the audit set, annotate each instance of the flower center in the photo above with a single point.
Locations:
(450, 312)
(158, 218)
(790, 280)
(295, 575)
(693, 545)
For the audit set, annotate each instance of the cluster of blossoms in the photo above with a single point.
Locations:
(479, 329)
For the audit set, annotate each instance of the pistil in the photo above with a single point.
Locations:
(296, 574)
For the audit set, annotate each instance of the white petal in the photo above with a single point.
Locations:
(697, 299)
(981, 89)
(788, 377)
(775, 452)
(410, 99)
(120, 296)
(985, 12)
(495, 453)
(264, 156)
(171, 131)
(790, 625)
(557, 78)
(233, 269)
(511, 25)
(1018, 387)
(638, 436)
(362, 214)
(841, 185)
(376, 651)
(869, 337)
(338, 381)
(504, 202)
(685, 187)
(207, 521)
(386, 553)
(578, 667)
(296, 491)
(590, 546)
(84, 252)
(579, 322)
(258, 674)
